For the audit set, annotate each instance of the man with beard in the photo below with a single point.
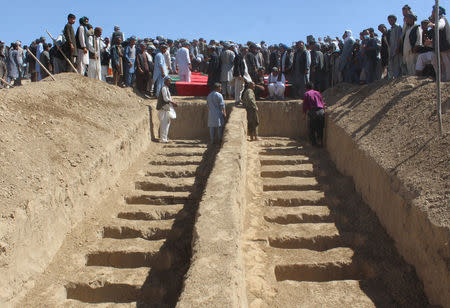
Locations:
(143, 74)
(81, 38)
(213, 67)
(300, 70)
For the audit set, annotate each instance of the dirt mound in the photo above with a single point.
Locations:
(396, 123)
(52, 134)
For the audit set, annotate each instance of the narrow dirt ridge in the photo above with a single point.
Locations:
(142, 252)
(309, 241)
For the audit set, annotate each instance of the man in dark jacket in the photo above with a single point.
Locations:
(70, 44)
(213, 67)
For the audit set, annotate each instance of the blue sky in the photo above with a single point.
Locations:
(273, 21)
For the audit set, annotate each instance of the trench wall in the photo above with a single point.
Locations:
(216, 275)
(417, 239)
(42, 226)
(283, 119)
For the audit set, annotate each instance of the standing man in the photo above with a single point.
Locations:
(300, 70)
(130, 59)
(117, 60)
(183, 62)
(216, 114)
(14, 65)
(81, 42)
(345, 60)
(3, 69)
(45, 60)
(313, 105)
(143, 74)
(249, 103)
(39, 50)
(105, 58)
(251, 62)
(240, 74)
(412, 39)
(384, 51)
(444, 43)
(117, 34)
(395, 41)
(160, 69)
(94, 46)
(226, 70)
(70, 42)
(164, 105)
(213, 67)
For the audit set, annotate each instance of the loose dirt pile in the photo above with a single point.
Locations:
(396, 123)
(52, 135)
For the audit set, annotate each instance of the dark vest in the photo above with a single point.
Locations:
(160, 103)
(77, 40)
(413, 36)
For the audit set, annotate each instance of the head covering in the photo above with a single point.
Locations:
(163, 46)
(284, 46)
(410, 15)
(133, 38)
(441, 10)
(83, 20)
(156, 42)
(349, 35)
(167, 78)
(151, 47)
(116, 28)
(274, 69)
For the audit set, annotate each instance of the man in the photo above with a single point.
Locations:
(143, 73)
(39, 50)
(81, 38)
(196, 57)
(371, 50)
(117, 34)
(274, 58)
(313, 105)
(14, 64)
(444, 43)
(130, 59)
(3, 57)
(94, 46)
(164, 106)
(160, 69)
(384, 51)
(45, 60)
(346, 56)
(300, 70)
(426, 52)
(226, 70)
(249, 103)
(70, 42)
(117, 60)
(105, 58)
(251, 62)
(216, 114)
(276, 84)
(172, 50)
(240, 74)
(395, 57)
(412, 39)
(287, 61)
(213, 67)
(260, 84)
(317, 67)
(183, 62)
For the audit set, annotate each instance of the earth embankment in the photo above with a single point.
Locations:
(62, 145)
(386, 136)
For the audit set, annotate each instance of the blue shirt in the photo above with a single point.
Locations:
(159, 62)
(215, 106)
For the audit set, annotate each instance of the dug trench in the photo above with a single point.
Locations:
(268, 223)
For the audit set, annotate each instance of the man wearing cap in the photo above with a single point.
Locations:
(39, 50)
(213, 67)
(105, 57)
(81, 38)
(412, 39)
(94, 46)
(142, 70)
(183, 62)
(130, 59)
(276, 84)
(252, 65)
(164, 105)
(240, 74)
(444, 43)
(160, 69)
(226, 70)
(395, 39)
(3, 56)
(216, 113)
(117, 33)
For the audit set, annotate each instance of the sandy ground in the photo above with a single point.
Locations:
(396, 123)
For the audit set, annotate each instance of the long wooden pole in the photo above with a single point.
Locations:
(42, 65)
(59, 48)
(5, 82)
(438, 59)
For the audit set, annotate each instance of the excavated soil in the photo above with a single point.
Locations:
(136, 248)
(396, 123)
(309, 239)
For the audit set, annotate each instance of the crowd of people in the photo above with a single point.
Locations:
(402, 50)
(406, 49)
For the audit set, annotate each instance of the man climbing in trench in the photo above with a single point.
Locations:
(313, 105)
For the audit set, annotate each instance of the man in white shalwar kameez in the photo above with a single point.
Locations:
(163, 105)
(226, 70)
(183, 62)
(409, 53)
(82, 51)
(276, 84)
(94, 46)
